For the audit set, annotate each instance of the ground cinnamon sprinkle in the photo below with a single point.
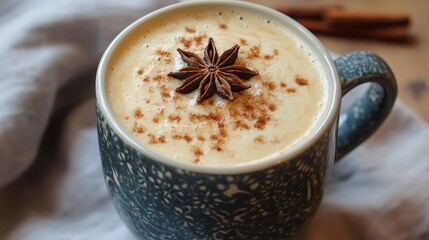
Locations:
(138, 128)
(269, 57)
(261, 122)
(260, 110)
(249, 115)
(163, 53)
(199, 39)
(244, 113)
(211, 101)
(241, 124)
(222, 132)
(161, 139)
(164, 92)
(270, 85)
(243, 41)
(198, 152)
(233, 112)
(155, 140)
(201, 138)
(140, 72)
(175, 98)
(186, 137)
(190, 29)
(158, 78)
(138, 113)
(186, 42)
(152, 139)
(259, 139)
(291, 90)
(213, 118)
(214, 137)
(223, 26)
(176, 137)
(194, 117)
(249, 107)
(174, 118)
(219, 140)
(218, 148)
(301, 81)
(146, 79)
(254, 52)
(283, 84)
(155, 119)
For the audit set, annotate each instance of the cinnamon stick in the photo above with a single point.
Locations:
(342, 17)
(393, 33)
(335, 20)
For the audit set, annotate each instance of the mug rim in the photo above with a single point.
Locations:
(331, 114)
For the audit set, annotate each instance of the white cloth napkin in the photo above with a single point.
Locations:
(50, 169)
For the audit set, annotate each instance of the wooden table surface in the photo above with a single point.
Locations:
(408, 61)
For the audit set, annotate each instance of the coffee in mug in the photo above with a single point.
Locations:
(281, 107)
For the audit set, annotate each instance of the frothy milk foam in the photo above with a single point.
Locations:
(283, 106)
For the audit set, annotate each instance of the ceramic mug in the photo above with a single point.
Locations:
(272, 199)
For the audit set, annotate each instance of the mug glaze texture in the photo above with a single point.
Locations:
(157, 200)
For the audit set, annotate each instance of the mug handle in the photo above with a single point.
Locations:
(365, 116)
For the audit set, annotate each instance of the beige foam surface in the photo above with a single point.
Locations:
(276, 113)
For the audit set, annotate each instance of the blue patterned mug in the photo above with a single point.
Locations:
(271, 199)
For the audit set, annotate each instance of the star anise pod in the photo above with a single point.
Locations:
(213, 74)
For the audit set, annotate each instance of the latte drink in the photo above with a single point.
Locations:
(275, 109)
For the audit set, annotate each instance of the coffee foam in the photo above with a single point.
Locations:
(278, 112)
